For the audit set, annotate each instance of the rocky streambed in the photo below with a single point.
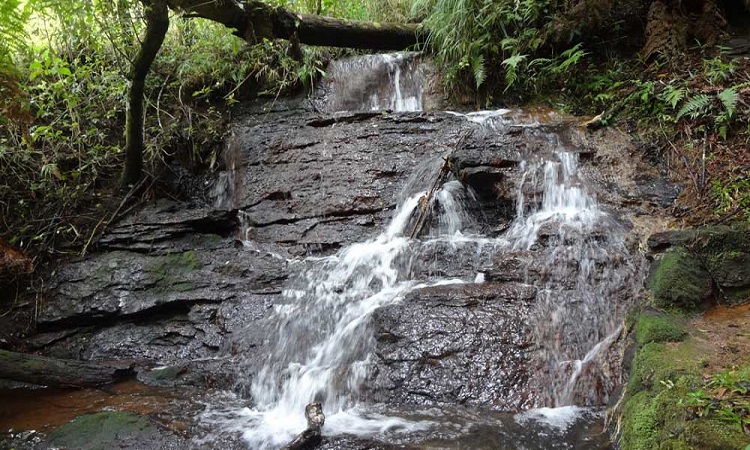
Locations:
(184, 288)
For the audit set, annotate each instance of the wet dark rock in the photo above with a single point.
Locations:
(341, 185)
(155, 227)
(464, 344)
(516, 266)
(120, 283)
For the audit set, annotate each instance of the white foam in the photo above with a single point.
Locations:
(561, 418)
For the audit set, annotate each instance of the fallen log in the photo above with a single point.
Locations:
(54, 372)
(311, 437)
(254, 21)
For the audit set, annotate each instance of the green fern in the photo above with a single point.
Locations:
(477, 67)
(672, 95)
(729, 98)
(568, 59)
(511, 69)
(12, 28)
(695, 107)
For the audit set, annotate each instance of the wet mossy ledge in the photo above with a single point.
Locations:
(696, 268)
(668, 402)
(100, 431)
(675, 399)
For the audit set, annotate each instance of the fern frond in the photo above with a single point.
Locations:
(729, 98)
(694, 107)
(511, 69)
(12, 27)
(477, 66)
(673, 95)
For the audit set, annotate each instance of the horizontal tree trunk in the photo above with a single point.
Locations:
(326, 31)
(54, 372)
(255, 21)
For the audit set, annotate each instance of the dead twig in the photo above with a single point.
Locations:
(427, 201)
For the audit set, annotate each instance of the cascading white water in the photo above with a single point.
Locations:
(320, 348)
(586, 264)
(587, 269)
(375, 82)
(412, 86)
(324, 356)
(565, 202)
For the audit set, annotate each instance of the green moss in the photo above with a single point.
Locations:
(170, 273)
(33, 365)
(640, 423)
(713, 434)
(658, 363)
(679, 281)
(186, 260)
(652, 327)
(99, 431)
(655, 419)
(663, 377)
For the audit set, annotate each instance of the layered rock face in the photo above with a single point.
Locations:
(178, 281)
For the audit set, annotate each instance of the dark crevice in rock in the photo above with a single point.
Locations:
(107, 319)
(343, 118)
(325, 218)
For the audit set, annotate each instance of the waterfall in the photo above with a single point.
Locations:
(374, 82)
(319, 344)
(586, 264)
(320, 347)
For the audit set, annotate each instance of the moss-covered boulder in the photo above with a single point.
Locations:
(657, 420)
(658, 410)
(679, 281)
(108, 430)
(701, 263)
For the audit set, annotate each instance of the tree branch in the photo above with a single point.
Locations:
(157, 24)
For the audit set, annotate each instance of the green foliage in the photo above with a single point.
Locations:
(464, 34)
(717, 71)
(723, 396)
(312, 66)
(732, 194)
(672, 95)
(12, 30)
(695, 107)
(729, 98)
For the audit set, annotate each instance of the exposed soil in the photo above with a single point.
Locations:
(724, 333)
(46, 409)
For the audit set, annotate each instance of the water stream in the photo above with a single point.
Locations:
(375, 82)
(320, 344)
